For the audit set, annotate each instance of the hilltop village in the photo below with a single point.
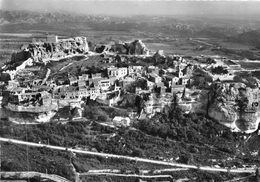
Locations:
(52, 74)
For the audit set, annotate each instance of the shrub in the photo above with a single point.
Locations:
(219, 70)
(138, 152)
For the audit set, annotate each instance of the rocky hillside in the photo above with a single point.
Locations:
(236, 106)
(136, 47)
(43, 49)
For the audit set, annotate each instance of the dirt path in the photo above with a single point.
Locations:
(46, 76)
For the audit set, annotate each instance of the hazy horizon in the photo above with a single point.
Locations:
(139, 7)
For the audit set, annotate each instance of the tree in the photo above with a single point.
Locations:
(142, 83)
(212, 95)
(137, 152)
(163, 130)
(183, 93)
(175, 106)
(174, 102)
(210, 61)
(219, 70)
(242, 103)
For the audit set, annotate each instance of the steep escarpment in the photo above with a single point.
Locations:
(39, 50)
(20, 56)
(136, 47)
(235, 105)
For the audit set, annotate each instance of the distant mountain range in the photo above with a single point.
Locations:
(3, 21)
(238, 30)
(249, 37)
(34, 17)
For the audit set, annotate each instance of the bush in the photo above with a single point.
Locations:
(8, 165)
(138, 152)
(95, 113)
(219, 70)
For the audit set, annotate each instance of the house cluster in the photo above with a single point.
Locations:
(162, 84)
(104, 87)
(96, 86)
(170, 80)
(159, 83)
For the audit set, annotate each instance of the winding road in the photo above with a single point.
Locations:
(32, 174)
(137, 159)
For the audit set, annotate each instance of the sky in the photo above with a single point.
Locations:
(135, 7)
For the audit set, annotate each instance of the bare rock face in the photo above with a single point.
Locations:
(20, 56)
(71, 46)
(159, 57)
(41, 50)
(200, 106)
(249, 122)
(81, 44)
(236, 106)
(119, 48)
(137, 47)
(225, 114)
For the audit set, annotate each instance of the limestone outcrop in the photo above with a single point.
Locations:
(20, 56)
(136, 47)
(236, 106)
(39, 50)
(159, 57)
(120, 48)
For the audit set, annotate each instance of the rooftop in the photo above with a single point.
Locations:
(154, 75)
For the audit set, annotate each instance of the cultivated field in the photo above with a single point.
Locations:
(11, 43)
(13, 37)
(249, 65)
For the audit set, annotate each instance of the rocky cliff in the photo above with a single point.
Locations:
(20, 56)
(159, 57)
(39, 50)
(137, 47)
(37, 115)
(235, 105)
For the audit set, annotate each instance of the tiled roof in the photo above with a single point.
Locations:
(170, 76)
(178, 86)
(186, 77)
(154, 75)
(161, 84)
